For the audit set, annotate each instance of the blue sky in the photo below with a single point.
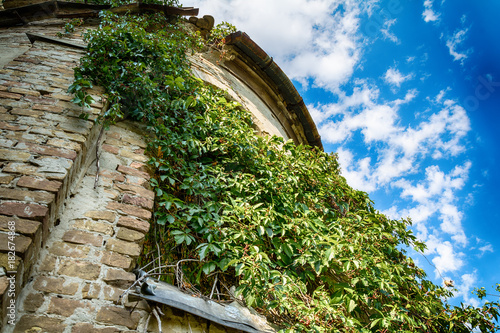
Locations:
(408, 94)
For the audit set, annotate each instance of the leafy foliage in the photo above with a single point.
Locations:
(275, 219)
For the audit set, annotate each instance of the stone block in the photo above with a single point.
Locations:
(6, 179)
(137, 190)
(39, 183)
(100, 227)
(112, 293)
(48, 264)
(81, 269)
(25, 227)
(130, 235)
(91, 291)
(69, 250)
(83, 237)
(117, 176)
(57, 285)
(136, 157)
(20, 209)
(89, 328)
(33, 302)
(130, 210)
(48, 108)
(116, 260)
(5, 94)
(22, 168)
(110, 149)
(23, 195)
(123, 247)
(7, 264)
(64, 306)
(132, 223)
(33, 323)
(47, 150)
(138, 201)
(118, 316)
(133, 172)
(10, 127)
(14, 155)
(22, 243)
(101, 215)
(119, 278)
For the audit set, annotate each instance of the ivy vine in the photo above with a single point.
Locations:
(274, 219)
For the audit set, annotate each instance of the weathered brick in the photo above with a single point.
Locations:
(14, 155)
(130, 235)
(132, 223)
(112, 175)
(49, 108)
(25, 92)
(49, 151)
(10, 127)
(91, 290)
(57, 285)
(39, 183)
(116, 260)
(25, 227)
(81, 269)
(100, 227)
(89, 328)
(65, 144)
(138, 190)
(138, 201)
(118, 316)
(5, 94)
(23, 195)
(134, 141)
(130, 210)
(69, 250)
(111, 293)
(137, 157)
(110, 149)
(64, 306)
(9, 264)
(4, 283)
(22, 168)
(70, 136)
(26, 112)
(40, 100)
(119, 278)
(6, 179)
(123, 247)
(33, 302)
(31, 211)
(101, 215)
(33, 323)
(21, 242)
(48, 264)
(133, 172)
(82, 237)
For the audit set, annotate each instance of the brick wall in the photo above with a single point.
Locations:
(76, 240)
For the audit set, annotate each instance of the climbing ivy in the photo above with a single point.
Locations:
(275, 219)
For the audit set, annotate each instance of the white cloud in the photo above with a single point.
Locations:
(446, 259)
(315, 39)
(464, 287)
(454, 42)
(394, 77)
(429, 14)
(486, 248)
(387, 34)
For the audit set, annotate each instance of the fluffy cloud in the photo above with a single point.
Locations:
(310, 39)
(454, 42)
(394, 77)
(429, 14)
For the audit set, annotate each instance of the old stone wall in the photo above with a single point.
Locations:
(71, 229)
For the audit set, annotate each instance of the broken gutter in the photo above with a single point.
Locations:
(231, 315)
(294, 103)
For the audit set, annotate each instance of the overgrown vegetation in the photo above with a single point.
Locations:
(274, 219)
